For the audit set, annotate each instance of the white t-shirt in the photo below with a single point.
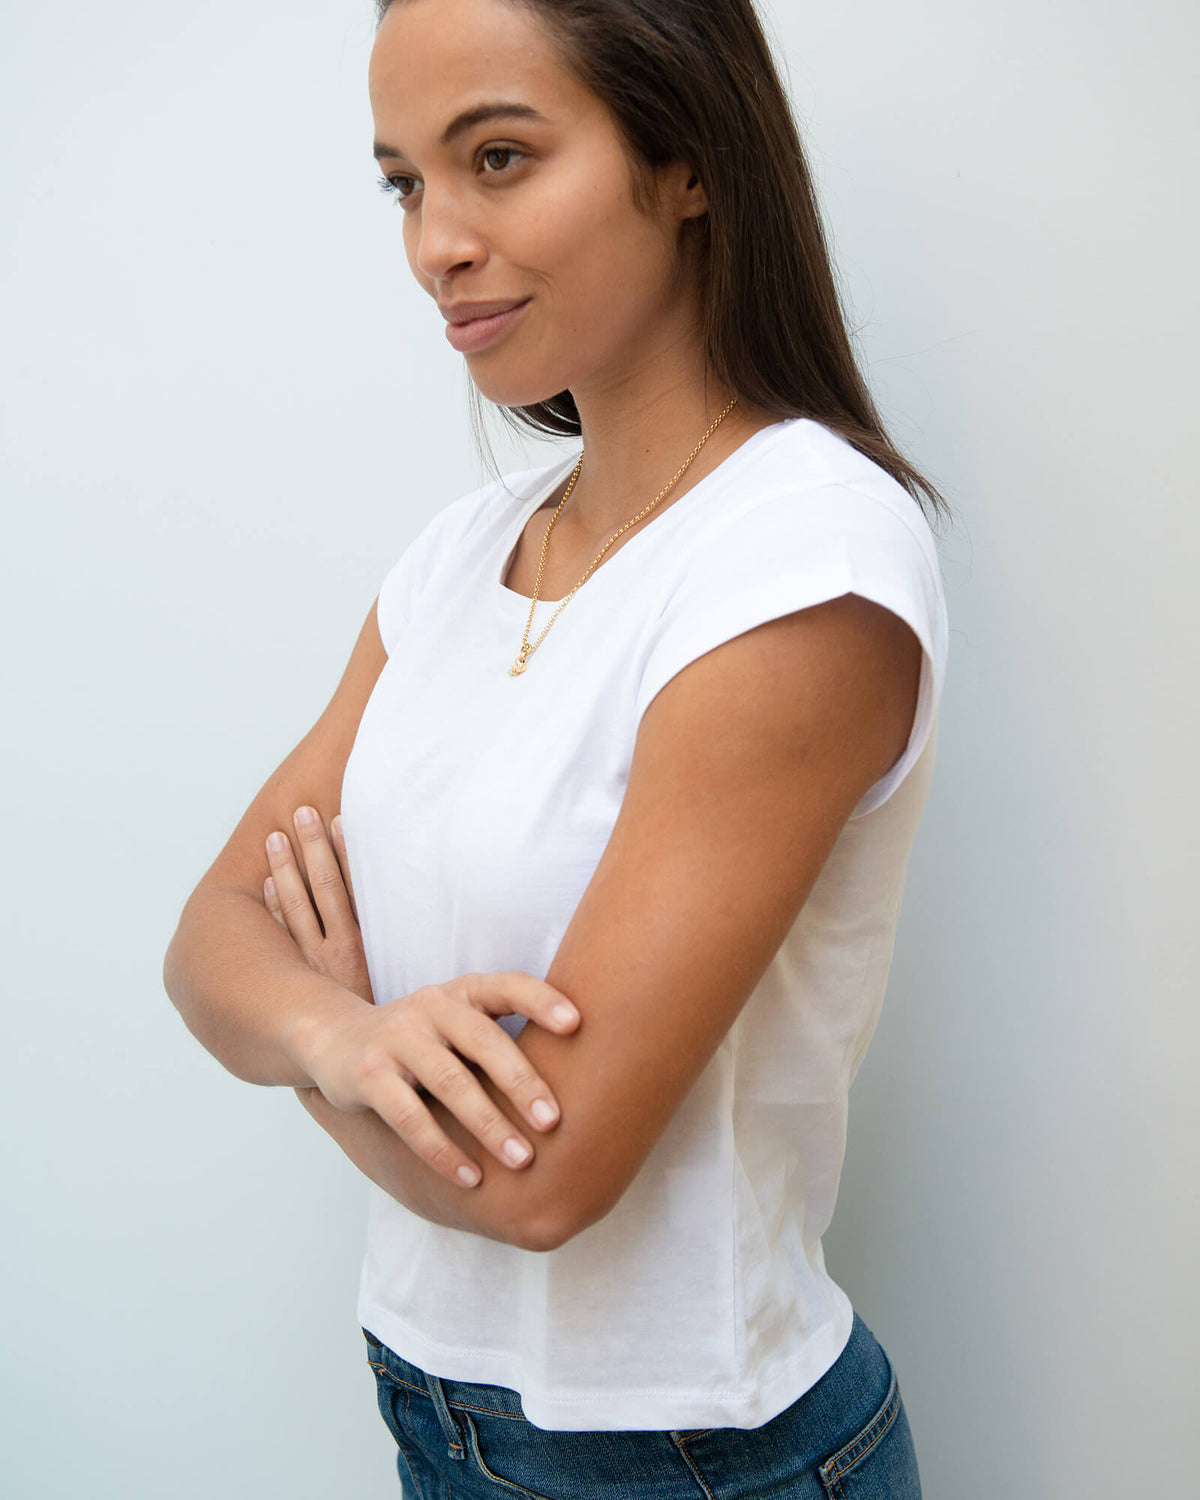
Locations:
(476, 807)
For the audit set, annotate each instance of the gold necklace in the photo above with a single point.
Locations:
(527, 649)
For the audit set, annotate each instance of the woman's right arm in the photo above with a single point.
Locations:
(250, 992)
(242, 986)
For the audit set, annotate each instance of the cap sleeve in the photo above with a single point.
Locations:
(409, 575)
(393, 606)
(793, 549)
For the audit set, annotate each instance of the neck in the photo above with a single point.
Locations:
(636, 433)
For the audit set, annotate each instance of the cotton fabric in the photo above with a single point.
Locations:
(476, 806)
(846, 1438)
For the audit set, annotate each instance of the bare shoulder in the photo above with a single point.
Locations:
(833, 685)
(746, 766)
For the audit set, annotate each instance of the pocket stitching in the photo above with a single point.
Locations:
(473, 1444)
(509, 1416)
(408, 1464)
(383, 1370)
(848, 1457)
(401, 1448)
(696, 1474)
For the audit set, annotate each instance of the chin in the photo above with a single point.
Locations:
(508, 389)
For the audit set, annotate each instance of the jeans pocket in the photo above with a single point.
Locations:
(517, 1452)
(880, 1461)
(528, 1462)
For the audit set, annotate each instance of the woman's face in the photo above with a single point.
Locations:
(533, 206)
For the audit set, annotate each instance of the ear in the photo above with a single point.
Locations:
(685, 190)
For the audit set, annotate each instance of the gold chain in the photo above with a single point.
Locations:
(527, 649)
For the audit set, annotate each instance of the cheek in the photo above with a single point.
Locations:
(604, 263)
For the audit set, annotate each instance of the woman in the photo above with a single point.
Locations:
(631, 746)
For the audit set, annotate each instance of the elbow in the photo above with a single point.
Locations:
(174, 964)
(542, 1232)
(172, 974)
(538, 1234)
(168, 969)
(549, 1224)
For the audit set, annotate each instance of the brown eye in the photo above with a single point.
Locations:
(391, 185)
(499, 151)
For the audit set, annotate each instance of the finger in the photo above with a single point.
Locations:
(514, 992)
(399, 1106)
(447, 1079)
(324, 872)
(294, 901)
(339, 844)
(480, 1039)
(271, 901)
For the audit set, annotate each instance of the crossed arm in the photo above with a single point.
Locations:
(746, 766)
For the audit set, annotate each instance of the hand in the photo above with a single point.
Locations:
(383, 1058)
(379, 1057)
(328, 935)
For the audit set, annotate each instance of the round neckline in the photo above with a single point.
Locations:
(514, 600)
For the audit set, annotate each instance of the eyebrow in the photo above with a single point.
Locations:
(494, 110)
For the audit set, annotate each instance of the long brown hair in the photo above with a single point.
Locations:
(695, 81)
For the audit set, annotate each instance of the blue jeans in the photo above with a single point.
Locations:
(846, 1438)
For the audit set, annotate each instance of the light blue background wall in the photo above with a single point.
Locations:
(227, 408)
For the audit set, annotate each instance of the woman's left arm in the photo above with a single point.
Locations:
(746, 766)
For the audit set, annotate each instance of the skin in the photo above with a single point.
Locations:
(746, 764)
(556, 223)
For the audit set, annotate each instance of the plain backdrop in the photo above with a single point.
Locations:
(227, 407)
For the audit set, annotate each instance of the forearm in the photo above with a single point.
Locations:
(512, 1206)
(244, 990)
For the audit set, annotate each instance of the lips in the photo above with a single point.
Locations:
(470, 312)
(481, 332)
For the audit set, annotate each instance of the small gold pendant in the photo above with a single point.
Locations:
(517, 668)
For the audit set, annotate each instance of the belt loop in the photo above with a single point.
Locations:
(445, 1416)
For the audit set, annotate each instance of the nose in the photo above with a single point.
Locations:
(447, 239)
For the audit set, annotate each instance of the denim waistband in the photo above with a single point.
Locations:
(494, 1400)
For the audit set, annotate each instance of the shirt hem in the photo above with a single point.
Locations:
(629, 1409)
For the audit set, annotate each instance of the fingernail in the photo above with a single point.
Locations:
(564, 1013)
(305, 815)
(469, 1176)
(276, 843)
(336, 825)
(543, 1112)
(515, 1151)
